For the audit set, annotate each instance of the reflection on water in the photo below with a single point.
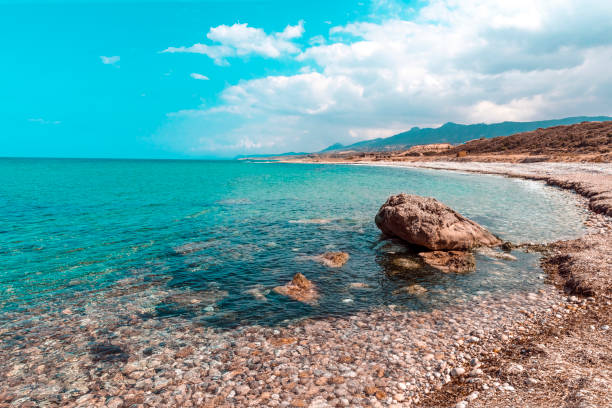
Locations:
(209, 240)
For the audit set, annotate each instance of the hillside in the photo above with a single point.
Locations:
(453, 133)
(582, 138)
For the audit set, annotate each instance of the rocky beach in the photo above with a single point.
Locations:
(543, 348)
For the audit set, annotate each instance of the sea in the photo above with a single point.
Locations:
(208, 241)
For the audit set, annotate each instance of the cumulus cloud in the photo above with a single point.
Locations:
(453, 60)
(110, 60)
(240, 40)
(201, 77)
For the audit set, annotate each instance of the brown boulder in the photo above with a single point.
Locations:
(300, 289)
(450, 261)
(427, 222)
(333, 259)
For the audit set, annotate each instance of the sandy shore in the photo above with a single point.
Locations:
(471, 353)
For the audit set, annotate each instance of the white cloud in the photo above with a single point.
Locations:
(110, 60)
(240, 40)
(195, 75)
(455, 60)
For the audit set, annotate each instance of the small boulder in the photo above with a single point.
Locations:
(450, 261)
(427, 222)
(300, 289)
(333, 259)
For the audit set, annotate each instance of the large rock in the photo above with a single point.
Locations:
(300, 289)
(427, 222)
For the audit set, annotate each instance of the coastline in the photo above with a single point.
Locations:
(582, 267)
(383, 357)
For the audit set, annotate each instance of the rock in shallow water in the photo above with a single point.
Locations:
(333, 259)
(450, 261)
(300, 289)
(406, 263)
(427, 222)
(412, 290)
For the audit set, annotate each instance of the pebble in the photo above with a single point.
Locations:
(315, 363)
(473, 396)
(457, 371)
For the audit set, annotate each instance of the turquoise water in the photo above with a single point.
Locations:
(211, 238)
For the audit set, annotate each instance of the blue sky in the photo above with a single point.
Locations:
(219, 78)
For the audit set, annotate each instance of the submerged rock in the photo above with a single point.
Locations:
(359, 285)
(450, 261)
(406, 263)
(491, 253)
(108, 352)
(259, 292)
(412, 290)
(333, 259)
(300, 289)
(427, 222)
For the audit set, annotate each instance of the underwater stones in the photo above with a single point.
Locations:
(427, 222)
(406, 263)
(411, 290)
(300, 289)
(258, 292)
(333, 259)
(491, 253)
(189, 248)
(107, 352)
(450, 261)
(359, 285)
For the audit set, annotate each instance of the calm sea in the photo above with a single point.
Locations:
(207, 240)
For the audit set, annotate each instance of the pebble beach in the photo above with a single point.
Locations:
(108, 355)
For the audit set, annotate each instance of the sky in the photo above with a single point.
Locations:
(214, 79)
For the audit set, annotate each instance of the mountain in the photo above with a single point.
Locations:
(455, 134)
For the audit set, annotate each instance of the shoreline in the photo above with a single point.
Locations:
(581, 266)
(383, 357)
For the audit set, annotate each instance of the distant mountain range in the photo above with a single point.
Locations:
(454, 133)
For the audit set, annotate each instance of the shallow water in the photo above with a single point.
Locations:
(207, 240)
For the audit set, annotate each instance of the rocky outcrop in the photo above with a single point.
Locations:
(427, 222)
(450, 261)
(300, 289)
(333, 259)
